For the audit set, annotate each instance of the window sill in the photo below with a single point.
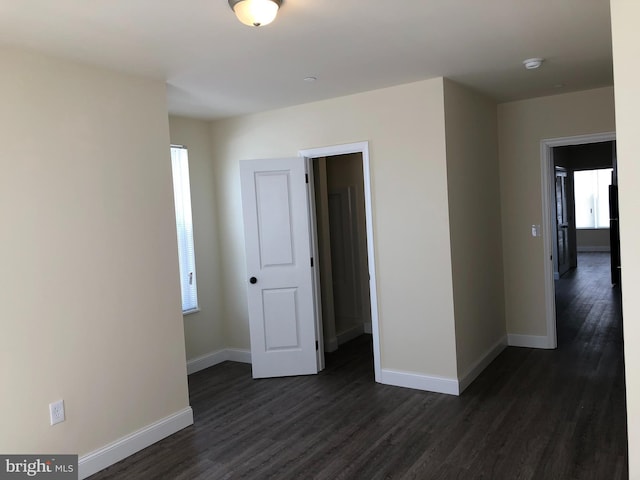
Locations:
(189, 312)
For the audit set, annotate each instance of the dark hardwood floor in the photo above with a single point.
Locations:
(532, 414)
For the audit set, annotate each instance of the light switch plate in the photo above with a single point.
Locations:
(535, 231)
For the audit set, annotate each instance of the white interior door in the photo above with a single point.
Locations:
(282, 315)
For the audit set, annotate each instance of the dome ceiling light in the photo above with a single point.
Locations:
(255, 13)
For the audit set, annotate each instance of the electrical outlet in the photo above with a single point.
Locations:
(56, 412)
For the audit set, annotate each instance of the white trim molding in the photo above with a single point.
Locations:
(214, 358)
(205, 361)
(238, 355)
(594, 248)
(530, 341)
(350, 334)
(450, 386)
(483, 362)
(128, 445)
(331, 345)
(419, 381)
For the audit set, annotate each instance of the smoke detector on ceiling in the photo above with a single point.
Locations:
(533, 63)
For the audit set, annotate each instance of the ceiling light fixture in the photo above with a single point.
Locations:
(533, 63)
(255, 13)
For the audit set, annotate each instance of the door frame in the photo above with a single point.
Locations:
(362, 148)
(548, 192)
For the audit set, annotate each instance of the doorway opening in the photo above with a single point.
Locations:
(343, 245)
(342, 248)
(561, 158)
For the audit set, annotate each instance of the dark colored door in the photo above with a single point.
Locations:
(614, 232)
(562, 222)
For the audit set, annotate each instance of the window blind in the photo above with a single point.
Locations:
(184, 227)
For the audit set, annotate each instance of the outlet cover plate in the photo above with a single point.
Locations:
(56, 412)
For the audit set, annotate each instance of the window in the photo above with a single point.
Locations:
(184, 225)
(592, 197)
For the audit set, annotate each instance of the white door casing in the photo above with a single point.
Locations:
(282, 317)
(548, 212)
(363, 148)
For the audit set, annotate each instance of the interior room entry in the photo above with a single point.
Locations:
(284, 289)
(592, 225)
(342, 248)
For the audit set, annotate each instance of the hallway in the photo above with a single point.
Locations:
(585, 299)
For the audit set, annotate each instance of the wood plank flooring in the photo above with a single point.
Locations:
(532, 414)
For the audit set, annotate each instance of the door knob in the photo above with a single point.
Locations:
(253, 280)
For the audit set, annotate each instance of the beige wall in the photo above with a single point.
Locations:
(474, 216)
(626, 51)
(203, 330)
(89, 295)
(521, 127)
(405, 128)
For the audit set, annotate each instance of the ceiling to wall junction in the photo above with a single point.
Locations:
(216, 67)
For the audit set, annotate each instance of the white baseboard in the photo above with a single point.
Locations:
(420, 382)
(331, 345)
(368, 328)
(126, 446)
(239, 355)
(350, 334)
(483, 362)
(599, 248)
(436, 384)
(210, 359)
(528, 341)
(205, 361)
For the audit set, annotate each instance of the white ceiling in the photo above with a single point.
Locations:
(215, 67)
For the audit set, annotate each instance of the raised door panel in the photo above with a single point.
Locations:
(279, 277)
